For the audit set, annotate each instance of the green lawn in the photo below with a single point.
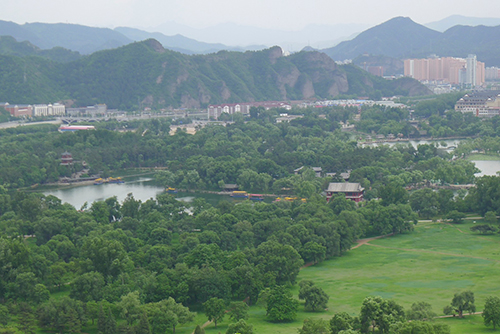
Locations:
(483, 157)
(430, 264)
(467, 325)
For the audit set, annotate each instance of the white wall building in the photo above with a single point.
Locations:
(470, 74)
(55, 109)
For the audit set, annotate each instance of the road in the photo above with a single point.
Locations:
(17, 123)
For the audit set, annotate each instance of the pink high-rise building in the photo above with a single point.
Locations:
(445, 69)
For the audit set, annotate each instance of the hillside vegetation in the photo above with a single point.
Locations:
(9, 46)
(75, 37)
(400, 37)
(146, 73)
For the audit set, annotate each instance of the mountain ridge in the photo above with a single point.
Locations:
(9, 46)
(75, 37)
(403, 38)
(145, 73)
(387, 38)
(453, 20)
(181, 43)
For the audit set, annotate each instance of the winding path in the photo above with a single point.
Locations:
(366, 241)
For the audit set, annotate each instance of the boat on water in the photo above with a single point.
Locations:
(115, 180)
(256, 197)
(108, 180)
(290, 199)
(239, 194)
(171, 190)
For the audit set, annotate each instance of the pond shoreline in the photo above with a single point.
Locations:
(407, 140)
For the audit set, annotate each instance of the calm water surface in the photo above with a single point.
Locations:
(450, 143)
(487, 167)
(144, 188)
(141, 188)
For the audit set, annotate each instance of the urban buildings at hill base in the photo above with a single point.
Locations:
(468, 73)
(214, 111)
(36, 110)
(480, 103)
(56, 109)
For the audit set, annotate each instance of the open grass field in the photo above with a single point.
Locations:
(473, 324)
(483, 157)
(429, 264)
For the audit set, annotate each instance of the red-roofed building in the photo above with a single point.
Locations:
(352, 191)
(19, 110)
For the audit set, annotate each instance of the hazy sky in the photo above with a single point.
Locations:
(278, 14)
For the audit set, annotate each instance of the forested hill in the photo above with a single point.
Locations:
(402, 38)
(75, 37)
(147, 73)
(398, 37)
(9, 46)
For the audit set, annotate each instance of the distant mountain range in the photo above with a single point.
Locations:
(315, 35)
(396, 38)
(173, 71)
(455, 20)
(146, 73)
(9, 46)
(82, 39)
(86, 40)
(400, 37)
(180, 43)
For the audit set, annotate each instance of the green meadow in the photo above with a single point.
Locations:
(482, 157)
(430, 264)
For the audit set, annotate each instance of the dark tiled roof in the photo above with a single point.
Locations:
(344, 187)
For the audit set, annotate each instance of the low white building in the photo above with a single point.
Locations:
(55, 109)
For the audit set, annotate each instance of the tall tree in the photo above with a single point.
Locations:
(129, 306)
(461, 302)
(110, 324)
(238, 311)
(143, 325)
(64, 315)
(101, 320)
(215, 309)
(491, 312)
(341, 322)
(420, 311)
(283, 260)
(281, 306)
(425, 202)
(380, 313)
(315, 298)
(241, 327)
(314, 326)
(92, 310)
(4, 315)
(87, 287)
(168, 314)
(26, 319)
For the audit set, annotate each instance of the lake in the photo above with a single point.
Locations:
(142, 189)
(450, 143)
(487, 167)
